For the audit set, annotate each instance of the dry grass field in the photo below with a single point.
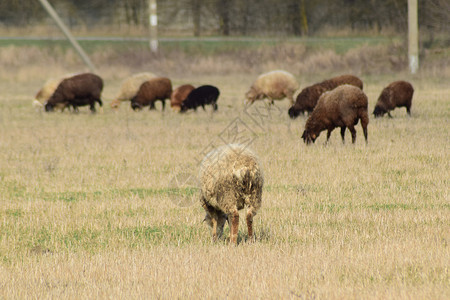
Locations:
(90, 205)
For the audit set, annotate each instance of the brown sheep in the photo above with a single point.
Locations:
(159, 88)
(396, 94)
(308, 97)
(342, 107)
(78, 90)
(179, 95)
(274, 85)
(130, 87)
(231, 178)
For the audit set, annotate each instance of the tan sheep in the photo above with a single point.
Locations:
(130, 87)
(179, 95)
(46, 92)
(342, 107)
(231, 178)
(274, 85)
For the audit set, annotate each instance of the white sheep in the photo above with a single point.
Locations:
(130, 87)
(231, 178)
(274, 85)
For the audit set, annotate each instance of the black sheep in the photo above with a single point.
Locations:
(78, 90)
(205, 94)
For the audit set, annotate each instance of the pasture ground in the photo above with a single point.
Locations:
(90, 209)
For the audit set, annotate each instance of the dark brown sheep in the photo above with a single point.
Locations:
(78, 90)
(159, 88)
(396, 94)
(308, 97)
(342, 107)
(179, 95)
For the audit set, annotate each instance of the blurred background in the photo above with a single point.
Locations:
(210, 36)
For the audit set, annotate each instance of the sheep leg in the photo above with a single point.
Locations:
(214, 229)
(343, 134)
(92, 107)
(364, 123)
(152, 105)
(250, 214)
(389, 114)
(163, 104)
(234, 226)
(408, 110)
(353, 131)
(329, 134)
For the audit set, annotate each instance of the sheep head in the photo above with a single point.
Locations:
(251, 95)
(49, 107)
(220, 218)
(294, 113)
(115, 104)
(379, 111)
(309, 137)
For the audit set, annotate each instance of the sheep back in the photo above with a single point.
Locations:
(342, 107)
(396, 94)
(179, 95)
(275, 85)
(130, 86)
(159, 88)
(307, 99)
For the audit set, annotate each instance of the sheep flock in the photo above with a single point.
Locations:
(231, 176)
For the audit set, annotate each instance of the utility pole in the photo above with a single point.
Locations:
(413, 36)
(67, 33)
(153, 23)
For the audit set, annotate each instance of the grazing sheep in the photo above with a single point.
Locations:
(231, 178)
(341, 107)
(130, 87)
(179, 95)
(78, 90)
(274, 85)
(159, 88)
(307, 99)
(205, 94)
(396, 94)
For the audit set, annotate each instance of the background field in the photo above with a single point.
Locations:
(90, 209)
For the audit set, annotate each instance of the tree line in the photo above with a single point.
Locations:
(236, 17)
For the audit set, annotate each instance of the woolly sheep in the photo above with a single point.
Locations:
(231, 178)
(342, 107)
(307, 99)
(78, 90)
(397, 94)
(158, 88)
(130, 87)
(179, 95)
(274, 85)
(205, 94)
